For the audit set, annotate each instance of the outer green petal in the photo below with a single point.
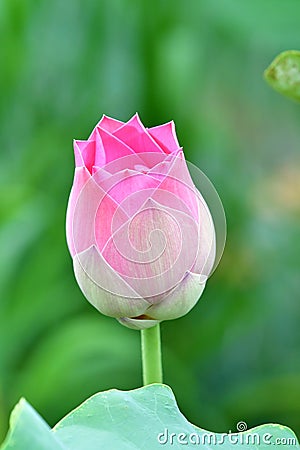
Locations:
(89, 269)
(180, 300)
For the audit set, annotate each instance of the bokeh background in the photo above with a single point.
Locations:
(236, 356)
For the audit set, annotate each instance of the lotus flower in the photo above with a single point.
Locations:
(140, 234)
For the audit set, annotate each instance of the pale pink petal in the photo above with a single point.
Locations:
(176, 179)
(134, 134)
(81, 178)
(165, 136)
(180, 300)
(82, 215)
(154, 249)
(125, 192)
(128, 188)
(137, 324)
(128, 182)
(170, 199)
(89, 205)
(108, 214)
(109, 124)
(207, 241)
(103, 288)
(109, 210)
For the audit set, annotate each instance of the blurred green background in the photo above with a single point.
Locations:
(236, 356)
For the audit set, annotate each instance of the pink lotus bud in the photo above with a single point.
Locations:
(140, 234)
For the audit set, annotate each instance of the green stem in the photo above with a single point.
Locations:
(151, 355)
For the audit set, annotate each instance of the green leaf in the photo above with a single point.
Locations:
(29, 431)
(283, 74)
(146, 418)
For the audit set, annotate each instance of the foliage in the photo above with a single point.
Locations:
(144, 418)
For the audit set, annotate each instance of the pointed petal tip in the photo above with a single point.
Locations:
(151, 203)
(165, 125)
(165, 135)
(136, 118)
(105, 117)
(76, 143)
(108, 123)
